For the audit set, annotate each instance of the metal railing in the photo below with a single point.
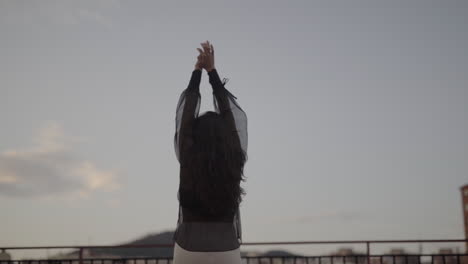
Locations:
(366, 258)
(375, 259)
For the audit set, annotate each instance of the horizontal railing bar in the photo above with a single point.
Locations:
(245, 257)
(257, 243)
(273, 256)
(357, 242)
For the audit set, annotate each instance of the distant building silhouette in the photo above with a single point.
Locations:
(464, 193)
(348, 255)
(4, 255)
(445, 259)
(400, 256)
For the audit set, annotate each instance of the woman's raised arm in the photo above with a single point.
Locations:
(225, 104)
(187, 110)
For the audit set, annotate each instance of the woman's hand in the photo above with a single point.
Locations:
(199, 63)
(205, 59)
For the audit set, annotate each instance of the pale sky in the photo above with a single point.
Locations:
(357, 116)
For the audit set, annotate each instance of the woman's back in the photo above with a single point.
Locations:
(212, 151)
(200, 228)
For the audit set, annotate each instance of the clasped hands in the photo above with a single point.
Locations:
(205, 59)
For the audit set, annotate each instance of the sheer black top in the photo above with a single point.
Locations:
(197, 231)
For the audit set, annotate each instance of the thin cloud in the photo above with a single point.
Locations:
(59, 12)
(340, 216)
(50, 168)
(114, 203)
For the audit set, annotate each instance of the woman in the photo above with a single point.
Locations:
(212, 151)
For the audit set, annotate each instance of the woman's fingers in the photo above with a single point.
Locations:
(206, 56)
(205, 46)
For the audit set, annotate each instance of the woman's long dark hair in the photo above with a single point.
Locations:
(216, 164)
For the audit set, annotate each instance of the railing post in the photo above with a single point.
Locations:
(368, 251)
(81, 255)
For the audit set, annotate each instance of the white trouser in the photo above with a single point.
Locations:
(182, 256)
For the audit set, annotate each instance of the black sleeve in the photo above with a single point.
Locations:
(225, 104)
(187, 110)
